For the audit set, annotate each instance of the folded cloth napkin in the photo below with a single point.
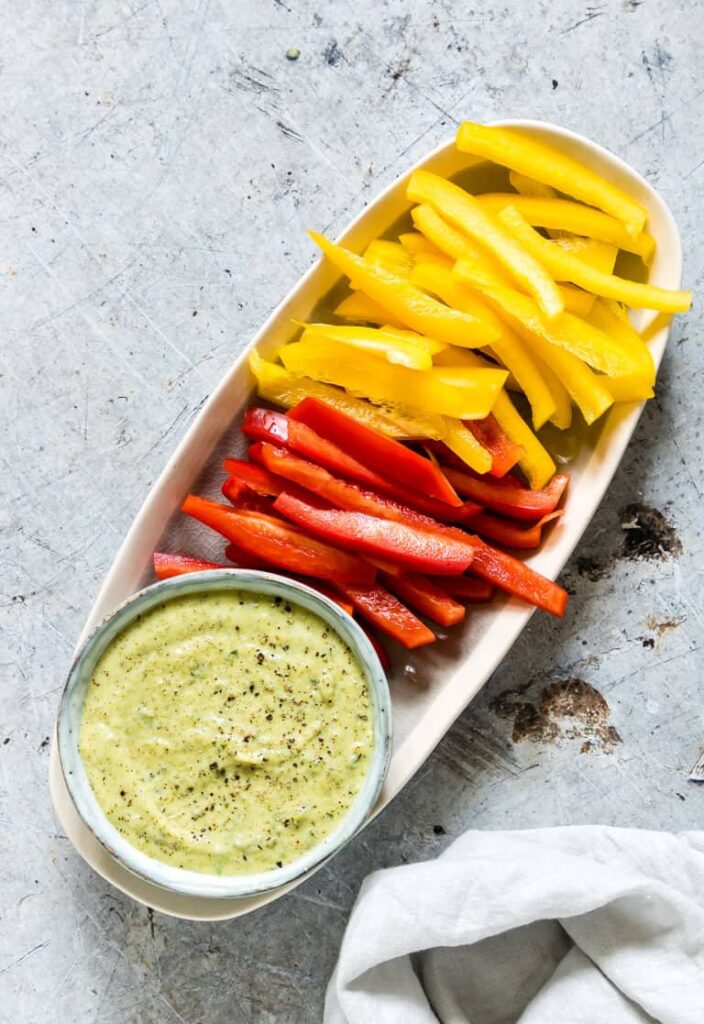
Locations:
(551, 926)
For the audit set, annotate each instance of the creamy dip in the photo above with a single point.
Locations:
(226, 732)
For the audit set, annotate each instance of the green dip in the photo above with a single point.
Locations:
(226, 732)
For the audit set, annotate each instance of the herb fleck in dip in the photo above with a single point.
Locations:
(227, 732)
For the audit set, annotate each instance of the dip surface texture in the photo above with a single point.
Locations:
(227, 732)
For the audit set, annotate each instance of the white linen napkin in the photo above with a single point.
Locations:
(549, 926)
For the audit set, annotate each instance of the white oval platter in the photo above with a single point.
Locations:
(433, 686)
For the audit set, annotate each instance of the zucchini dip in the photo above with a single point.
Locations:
(227, 732)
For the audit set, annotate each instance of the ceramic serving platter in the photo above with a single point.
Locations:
(432, 686)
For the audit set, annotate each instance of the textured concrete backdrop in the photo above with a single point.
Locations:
(160, 161)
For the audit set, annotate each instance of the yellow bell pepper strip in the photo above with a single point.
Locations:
(562, 417)
(599, 255)
(608, 317)
(460, 440)
(529, 186)
(576, 300)
(278, 385)
(508, 347)
(416, 244)
(547, 164)
(566, 267)
(628, 389)
(453, 391)
(567, 331)
(565, 215)
(447, 238)
(585, 388)
(390, 255)
(536, 462)
(465, 212)
(359, 308)
(407, 303)
(400, 348)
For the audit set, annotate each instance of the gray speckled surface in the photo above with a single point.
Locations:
(159, 163)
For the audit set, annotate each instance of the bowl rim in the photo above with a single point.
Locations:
(182, 880)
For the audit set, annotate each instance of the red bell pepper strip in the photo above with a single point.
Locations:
(267, 538)
(468, 588)
(280, 431)
(166, 566)
(384, 454)
(341, 493)
(507, 573)
(379, 648)
(241, 496)
(507, 496)
(504, 453)
(425, 596)
(509, 534)
(415, 547)
(241, 561)
(387, 613)
(263, 483)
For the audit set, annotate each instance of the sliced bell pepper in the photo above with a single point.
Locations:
(529, 186)
(537, 463)
(465, 212)
(509, 348)
(247, 474)
(166, 565)
(242, 560)
(584, 340)
(515, 577)
(273, 541)
(465, 394)
(585, 387)
(277, 429)
(462, 440)
(387, 613)
(566, 267)
(359, 308)
(241, 496)
(545, 163)
(382, 454)
(300, 438)
(468, 588)
(598, 255)
(504, 452)
(402, 348)
(390, 255)
(414, 547)
(294, 474)
(416, 244)
(606, 316)
(565, 215)
(508, 534)
(427, 597)
(507, 497)
(278, 385)
(451, 241)
(628, 388)
(405, 302)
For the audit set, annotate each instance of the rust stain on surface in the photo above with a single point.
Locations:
(570, 709)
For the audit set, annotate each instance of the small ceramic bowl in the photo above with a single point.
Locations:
(196, 883)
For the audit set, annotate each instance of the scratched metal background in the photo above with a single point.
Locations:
(160, 161)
